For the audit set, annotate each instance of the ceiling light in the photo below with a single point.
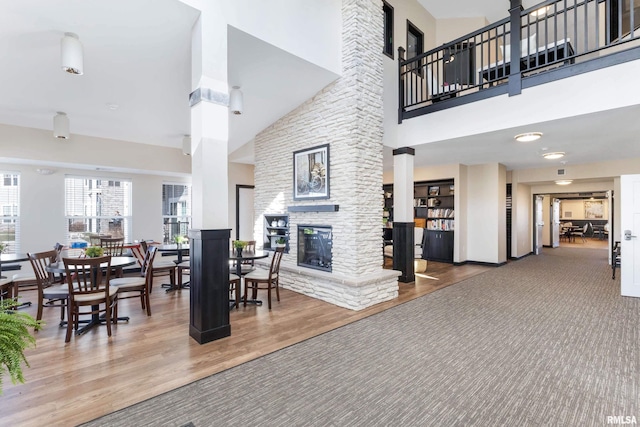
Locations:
(71, 54)
(61, 126)
(553, 156)
(112, 106)
(186, 145)
(528, 137)
(564, 181)
(235, 100)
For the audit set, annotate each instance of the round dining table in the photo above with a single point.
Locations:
(246, 256)
(11, 258)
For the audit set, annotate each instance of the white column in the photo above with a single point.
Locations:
(209, 123)
(403, 184)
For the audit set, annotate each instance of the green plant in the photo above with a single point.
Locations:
(179, 239)
(239, 244)
(14, 339)
(281, 241)
(94, 251)
(2, 247)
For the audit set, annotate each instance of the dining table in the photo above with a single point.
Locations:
(10, 259)
(96, 319)
(246, 256)
(180, 250)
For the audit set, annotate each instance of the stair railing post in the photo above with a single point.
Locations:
(515, 74)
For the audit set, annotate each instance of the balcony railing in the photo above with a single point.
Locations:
(548, 37)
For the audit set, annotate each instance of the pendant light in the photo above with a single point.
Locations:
(71, 54)
(235, 100)
(61, 126)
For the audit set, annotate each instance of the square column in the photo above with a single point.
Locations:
(403, 222)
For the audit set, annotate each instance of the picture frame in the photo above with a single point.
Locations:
(594, 209)
(434, 190)
(311, 173)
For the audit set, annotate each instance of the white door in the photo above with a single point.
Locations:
(555, 223)
(244, 213)
(539, 224)
(629, 232)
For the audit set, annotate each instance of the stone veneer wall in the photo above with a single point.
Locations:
(347, 114)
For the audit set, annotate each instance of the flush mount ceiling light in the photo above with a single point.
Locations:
(186, 145)
(553, 156)
(71, 54)
(564, 181)
(61, 126)
(235, 100)
(528, 137)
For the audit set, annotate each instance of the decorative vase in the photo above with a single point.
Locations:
(239, 252)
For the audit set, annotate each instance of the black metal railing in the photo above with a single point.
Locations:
(551, 34)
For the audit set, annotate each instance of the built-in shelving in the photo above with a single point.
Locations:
(276, 226)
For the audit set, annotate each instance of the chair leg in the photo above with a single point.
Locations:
(146, 297)
(277, 289)
(246, 290)
(107, 314)
(70, 323)
(269, 296)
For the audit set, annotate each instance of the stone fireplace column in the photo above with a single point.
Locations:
(403, 221)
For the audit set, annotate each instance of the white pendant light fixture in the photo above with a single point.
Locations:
(71, 54)
(186, 145)
(61, 126)
(528, 137)
(235, 100)
(553, 156)
(564, 181)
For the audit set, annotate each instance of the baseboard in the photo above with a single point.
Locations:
(516, 258)
(488, 264)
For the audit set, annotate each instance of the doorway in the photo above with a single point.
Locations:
(244, 212)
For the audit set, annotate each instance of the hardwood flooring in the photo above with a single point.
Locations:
(93, 375)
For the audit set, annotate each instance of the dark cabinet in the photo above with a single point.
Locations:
(437, 245)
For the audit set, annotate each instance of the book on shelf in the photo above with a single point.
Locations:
(441, 224)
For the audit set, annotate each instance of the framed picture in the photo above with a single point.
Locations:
(434, 191)
(594, 210)
(311, 173)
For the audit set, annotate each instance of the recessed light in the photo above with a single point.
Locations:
(553, 156)
(564, 181)
(528, 137)
(112, 106)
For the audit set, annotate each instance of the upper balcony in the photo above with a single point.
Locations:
(553, 40)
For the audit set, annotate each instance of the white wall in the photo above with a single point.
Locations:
(486, 219)
(522, 220)
(576, 208)
(310, 30)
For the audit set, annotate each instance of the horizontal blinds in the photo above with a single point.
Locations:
(10, 211)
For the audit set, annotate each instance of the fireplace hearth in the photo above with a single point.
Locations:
(314, 246)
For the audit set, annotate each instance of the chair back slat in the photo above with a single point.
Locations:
(275, 262)
(84, 275)
(39, 261)
(112, 246)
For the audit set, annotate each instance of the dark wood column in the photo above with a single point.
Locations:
(209, 285)
(403, 250)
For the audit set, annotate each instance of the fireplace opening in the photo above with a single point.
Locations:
(314, 246)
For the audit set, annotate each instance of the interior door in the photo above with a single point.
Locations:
(630, 229)
(555, 223)
(538, 220)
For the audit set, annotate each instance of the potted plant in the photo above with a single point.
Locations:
(239, 245)
(179, 240)
(94, 252)
(14, 339)
(281, 242)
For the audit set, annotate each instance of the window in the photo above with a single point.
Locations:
(97, 207)
(10, 202)
(176, 210)
(415, 45)
(388, 29)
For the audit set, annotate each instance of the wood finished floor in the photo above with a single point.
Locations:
(93, 375)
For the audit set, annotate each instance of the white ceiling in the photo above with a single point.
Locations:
(493, 10)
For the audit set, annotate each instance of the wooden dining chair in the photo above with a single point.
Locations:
(50, 293)
(113, 246)
(234, 287)
(160, 268)
(134, 287)
(268, 279)
(88, 295)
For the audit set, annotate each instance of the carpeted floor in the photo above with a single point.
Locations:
(546, 340)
